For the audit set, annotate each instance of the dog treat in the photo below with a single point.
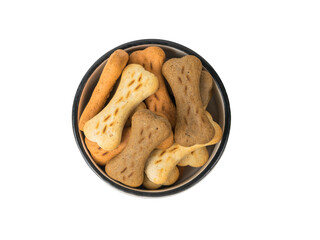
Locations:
(101, 156)
(152, 59)
(193, 126)
(147, 132)
(111, 72)
(200, 156)
(172, 178)
(139, 107)
(136, 84)
(196, 158)
(161, 162)
(206, 85)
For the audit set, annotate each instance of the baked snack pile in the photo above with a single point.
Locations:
(139, 136)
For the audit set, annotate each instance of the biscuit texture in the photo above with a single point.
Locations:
(196, 158)
(172, 178)
(147, 131)
(106, 127)
(101, 156)
(139, 107)
(161, 162)
(152, 59)
(167, 142)
(111, 72)
(192, 126)
(206, 88)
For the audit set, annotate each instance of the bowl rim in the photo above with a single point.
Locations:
(225, 99)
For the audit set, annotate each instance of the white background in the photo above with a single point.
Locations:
(266, 185)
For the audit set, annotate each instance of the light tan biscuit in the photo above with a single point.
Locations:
(172, 178)
(147, 131)
(111, 72)
(206, 85)
(150, 185)
(136, 84)
(139, 107)
(101, 156)
(196, 158)
(152, 59)
(161, 162)
(192, 126)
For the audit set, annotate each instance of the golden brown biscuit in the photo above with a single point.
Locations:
(106, 127)
(192, 126)
(172, 178)
(111, 72)
(147, 131)
(161, 162)
(101, 156)
(152, 59)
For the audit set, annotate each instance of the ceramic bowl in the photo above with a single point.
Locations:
(218, 107)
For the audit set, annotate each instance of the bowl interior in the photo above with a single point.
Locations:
(215, 107)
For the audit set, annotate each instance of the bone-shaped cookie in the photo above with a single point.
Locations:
(196, 158)
(147, 131)
(200, 156)
(152, 59)
(101, 156)
(192, 126)
(111, 72)
(172, 178)
(161, 162)
(136, 84)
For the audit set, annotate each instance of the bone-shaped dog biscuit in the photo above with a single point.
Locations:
(152, 59)
(200, 156)
(101, 156)
(147, 131)
(172, 178)
(161, 162)
(136, 84)
(111, 72)
(196, 158)
(192, 126)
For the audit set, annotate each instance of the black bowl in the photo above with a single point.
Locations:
(219, 107)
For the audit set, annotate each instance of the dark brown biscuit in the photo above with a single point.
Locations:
(147, 132)
(192, 126)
